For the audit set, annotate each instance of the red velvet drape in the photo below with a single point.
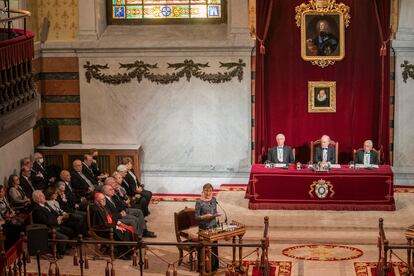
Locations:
(359, 111)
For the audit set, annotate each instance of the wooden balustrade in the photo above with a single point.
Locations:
(110, 156)
(384, 264)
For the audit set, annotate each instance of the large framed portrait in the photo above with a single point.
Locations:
(322, 31)
(321, 96)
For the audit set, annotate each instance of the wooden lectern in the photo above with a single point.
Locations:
(224, 232)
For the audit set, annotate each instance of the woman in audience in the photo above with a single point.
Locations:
(206, 214)
(70, 220)
(11, 223)
(18, 198)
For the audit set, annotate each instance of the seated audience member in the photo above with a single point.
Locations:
(18, 198)
(100, 217)
(80, 181)
(96, 171)
(42, 214)
(122, 201)
(39, 173)
(281, 153)
(136, 201)
(367, 156)
(76, 222)
(26, 181)
(129, 216)
(26, 162)
(325, 154)
(78, 202)
(134, 185)
(87, 169)
(12, 224)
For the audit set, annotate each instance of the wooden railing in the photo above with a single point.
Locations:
(387, 250)
(13, 262)
(108, 159)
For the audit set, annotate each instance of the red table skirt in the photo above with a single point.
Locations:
(338, 189)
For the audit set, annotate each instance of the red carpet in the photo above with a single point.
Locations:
(370, 269)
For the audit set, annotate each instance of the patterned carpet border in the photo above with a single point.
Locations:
(283, 268)
(322, 252)
(369, 268)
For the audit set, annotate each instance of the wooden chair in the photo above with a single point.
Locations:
(185, 221)
(316, 143)
(96, 233)
(354, 151)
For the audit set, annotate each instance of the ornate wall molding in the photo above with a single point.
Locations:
(407, 71)
(140, 70)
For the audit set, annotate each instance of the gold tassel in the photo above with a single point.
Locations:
(134, 258)
(257, 264)
(262, 48)
(75, 256)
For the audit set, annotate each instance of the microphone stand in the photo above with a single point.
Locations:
(224, 211)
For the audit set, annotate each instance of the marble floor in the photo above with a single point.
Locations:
(287, 228)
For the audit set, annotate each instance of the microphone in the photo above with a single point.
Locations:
(224, 211)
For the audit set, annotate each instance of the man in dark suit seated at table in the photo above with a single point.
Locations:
(281, 153)
(367, 156)
(325, 154)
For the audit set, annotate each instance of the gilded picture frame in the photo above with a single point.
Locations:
(322, 24)
(321, 96)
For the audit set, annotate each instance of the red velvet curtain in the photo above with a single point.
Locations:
(284, 94)
(264, 10)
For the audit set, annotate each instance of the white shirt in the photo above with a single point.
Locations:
(367, 158)
(325, 154)
(280, 154)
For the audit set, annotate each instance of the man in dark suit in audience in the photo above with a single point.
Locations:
(43, 215)
(281, 153)
(325, 154)
(40, 175)
(26, 181)
(78, 202)
(133, 186)
(367, 156)
(80, 181)
(87, 169)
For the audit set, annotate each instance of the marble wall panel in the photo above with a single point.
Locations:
(12, 153)
(184, 126)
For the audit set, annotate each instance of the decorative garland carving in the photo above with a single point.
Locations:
(408, 70)
(139, 70)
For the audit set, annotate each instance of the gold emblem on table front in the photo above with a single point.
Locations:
(321, 189)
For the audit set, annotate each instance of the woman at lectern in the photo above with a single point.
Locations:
(206, 214)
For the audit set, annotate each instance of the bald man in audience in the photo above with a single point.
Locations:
(325, 154)
(281, 153)
(367, 155)
(80, 181)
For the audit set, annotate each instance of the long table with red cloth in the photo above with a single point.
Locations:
(337, 189)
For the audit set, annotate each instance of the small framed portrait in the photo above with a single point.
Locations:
(321, 96)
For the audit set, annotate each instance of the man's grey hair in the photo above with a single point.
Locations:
(108, 180)
(36, 195)
(369, 142)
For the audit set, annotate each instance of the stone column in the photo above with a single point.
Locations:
(92, 19)
(404, 98)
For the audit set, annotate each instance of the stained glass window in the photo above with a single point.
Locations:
(125, 11)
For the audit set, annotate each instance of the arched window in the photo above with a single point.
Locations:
(166, 11)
